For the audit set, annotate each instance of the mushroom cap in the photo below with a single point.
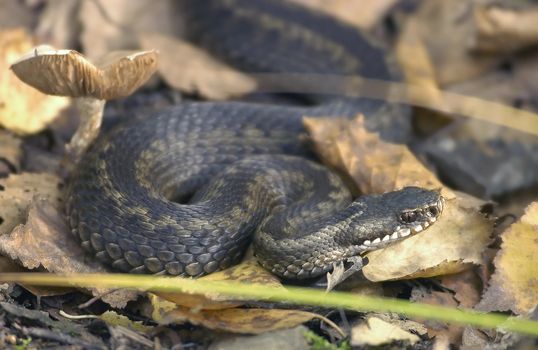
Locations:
(69, 73)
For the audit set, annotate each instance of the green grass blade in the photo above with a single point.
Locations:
(294, 295)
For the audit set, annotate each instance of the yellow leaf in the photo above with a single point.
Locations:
(514, 285)
(113, 318)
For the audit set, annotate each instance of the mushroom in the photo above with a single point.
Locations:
(69, 73)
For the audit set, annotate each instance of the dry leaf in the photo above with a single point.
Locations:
(160, 307)
(114, 319)
(377, 332)
(454, 242)
(250, 321)
(514, 285)
(505, 30)
(248, 271)
(374, 165)
(192, 70)
(466, 286)
(23, 109)
(17, 192)
(16, 195)
(361, 13)
(45, 240)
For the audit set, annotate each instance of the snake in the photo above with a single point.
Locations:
(186, 190)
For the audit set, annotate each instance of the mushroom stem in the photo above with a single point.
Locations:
(91, 114)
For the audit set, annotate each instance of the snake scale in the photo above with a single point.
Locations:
(186, 190)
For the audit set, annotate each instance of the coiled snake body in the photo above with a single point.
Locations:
(186, 190)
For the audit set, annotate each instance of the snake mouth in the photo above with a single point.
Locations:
(428, 216)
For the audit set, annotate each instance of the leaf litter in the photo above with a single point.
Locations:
(35, 234)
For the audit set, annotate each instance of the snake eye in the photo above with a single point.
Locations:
(408, 217)
(433, 211)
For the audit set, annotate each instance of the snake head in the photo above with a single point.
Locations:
(393, 216)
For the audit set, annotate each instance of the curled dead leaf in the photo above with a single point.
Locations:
(374, 165)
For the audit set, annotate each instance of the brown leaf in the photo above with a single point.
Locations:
(45, 241)
(454, 242)
(361, 13)
(23, 109)
(466, 286)
(192, 70)
(375, 166)
(250, 321)
(514, 285)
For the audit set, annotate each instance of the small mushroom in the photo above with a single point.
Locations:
(69, 73)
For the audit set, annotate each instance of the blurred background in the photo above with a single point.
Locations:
(486, 49)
